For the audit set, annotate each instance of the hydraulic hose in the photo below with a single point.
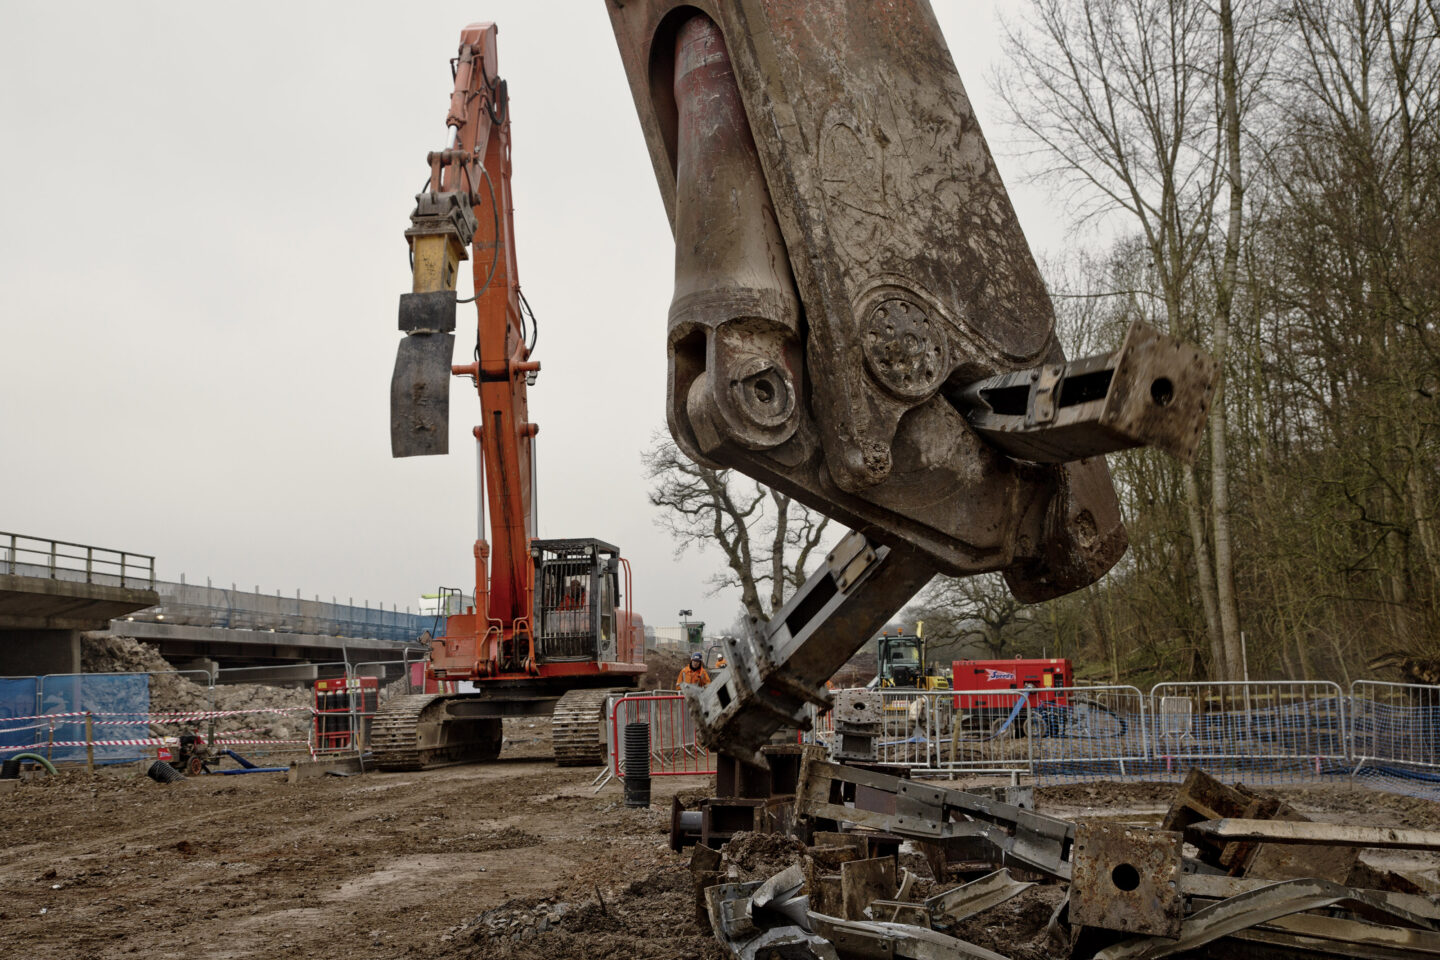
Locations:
(49, 767)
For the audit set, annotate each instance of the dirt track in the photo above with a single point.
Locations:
(384, 865)
(512, 859)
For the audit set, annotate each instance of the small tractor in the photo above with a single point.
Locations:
(900, 660)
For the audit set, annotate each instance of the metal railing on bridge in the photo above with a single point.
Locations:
(208, 606)
(27, 556)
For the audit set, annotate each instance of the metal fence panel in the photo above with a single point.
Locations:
(19, 698)
(950, 731)
(1393, 735)
(1089, 733)
(1256, 732)
(675, 750)
(118, 705)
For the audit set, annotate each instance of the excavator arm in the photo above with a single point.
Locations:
(859, 322)
(465, 213)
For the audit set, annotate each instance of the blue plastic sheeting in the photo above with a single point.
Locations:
(18, 698)
(121, 702)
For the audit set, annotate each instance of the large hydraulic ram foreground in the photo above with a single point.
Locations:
(846, 262)
(850, 280)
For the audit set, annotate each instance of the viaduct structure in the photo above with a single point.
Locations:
(52, 591)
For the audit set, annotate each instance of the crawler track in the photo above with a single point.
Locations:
(577, 728)
(415, 732)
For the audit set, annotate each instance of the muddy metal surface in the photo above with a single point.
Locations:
(512, 859)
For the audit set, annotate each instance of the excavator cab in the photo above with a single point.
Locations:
(577, 586)
(899, 661)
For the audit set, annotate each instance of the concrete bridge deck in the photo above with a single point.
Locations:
(51, 591)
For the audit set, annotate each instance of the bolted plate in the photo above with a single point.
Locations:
(1126, 878)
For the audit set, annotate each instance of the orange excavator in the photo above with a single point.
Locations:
(550, 630)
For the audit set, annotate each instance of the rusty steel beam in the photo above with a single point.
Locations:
(1153, 391)
(1231, 830)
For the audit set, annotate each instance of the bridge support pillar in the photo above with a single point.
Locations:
(34, 652)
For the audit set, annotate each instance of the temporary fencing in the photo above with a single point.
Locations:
(98, 718)
(1393, 729)
(675, 750)
(952, 731)
(1385, 734)
(1087, 733)
(1257, 732)
(344, 709)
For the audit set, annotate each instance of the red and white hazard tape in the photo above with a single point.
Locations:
(162, 717)
(145, 742)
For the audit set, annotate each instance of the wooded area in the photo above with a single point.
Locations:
(1271, 168)
(1265, 173)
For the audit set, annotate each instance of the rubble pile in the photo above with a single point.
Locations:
(662, 668)
(636, 920)
(876, 865)
(172, 692)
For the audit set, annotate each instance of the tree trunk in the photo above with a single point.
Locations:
(1225, 299)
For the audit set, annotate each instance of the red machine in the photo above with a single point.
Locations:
(548, 631)
(1043, 676)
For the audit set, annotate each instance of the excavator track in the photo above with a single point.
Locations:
(577, 728)
(414, 732)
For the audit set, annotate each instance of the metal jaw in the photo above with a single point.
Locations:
(441, 227)
(1154, 391)
(782, 666)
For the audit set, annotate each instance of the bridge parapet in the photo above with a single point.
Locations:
(209, 606)
(40, 557)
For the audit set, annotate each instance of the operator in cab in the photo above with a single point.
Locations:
(694, 672)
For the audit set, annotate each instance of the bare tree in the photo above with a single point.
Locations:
(766, 537)
(961, 612)
(1133, 102)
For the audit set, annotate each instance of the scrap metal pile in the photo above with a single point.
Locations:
(1228, 873)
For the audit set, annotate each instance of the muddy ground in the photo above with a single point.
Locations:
(515, 859)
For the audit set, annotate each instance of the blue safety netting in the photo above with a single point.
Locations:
(18, 698)
(119, 704)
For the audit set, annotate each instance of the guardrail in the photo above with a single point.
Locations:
(78, 562)
(209, 606)
(1387, 734)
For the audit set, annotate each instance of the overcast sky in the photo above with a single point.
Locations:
(200, 262)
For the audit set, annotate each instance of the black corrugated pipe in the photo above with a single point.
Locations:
(637, 764)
